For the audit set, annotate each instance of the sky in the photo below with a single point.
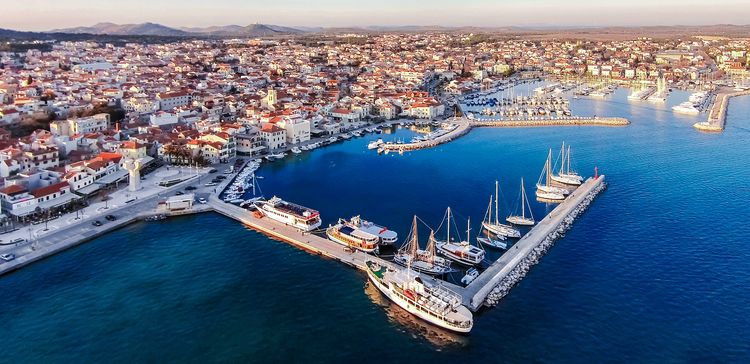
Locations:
(39, 15)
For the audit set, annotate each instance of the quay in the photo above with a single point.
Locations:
(504, 272)
(571, 121)
(717, 113)
(463, 127)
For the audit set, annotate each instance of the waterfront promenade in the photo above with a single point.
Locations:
(717, 113)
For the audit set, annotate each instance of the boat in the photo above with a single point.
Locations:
(352, 237)
(565, 175)
(424, 261)
(375, 144)
(385, 236)
(496, 227)
(546, 191)
(486, 238)
(471, 275)
(522, 219)
(300, 217)
(346, 136)
(296, 150)
(430, 302)
(462, 252)
(686, 107)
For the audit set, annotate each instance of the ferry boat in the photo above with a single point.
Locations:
(462, 252)
(347, 235)
(300, 217)
(385, 236)
(496, 227)
(425, 261)
(432, 303)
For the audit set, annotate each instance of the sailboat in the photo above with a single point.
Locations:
(565, 175)
(496, 227)
(487, 238)
(257, 196)
(462, 252)
(545, 191)
(522, 220)
(425, 261)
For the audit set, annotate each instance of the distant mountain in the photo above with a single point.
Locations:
(253, 30)
(126, 29)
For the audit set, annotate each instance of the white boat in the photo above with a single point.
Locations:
(496, 227)
(352, 237)
(565, 175)
(462, 251)
(375, 144)
(522, 219)
(471, 275)
(387, 237)
(346, 136)
(430, 302)
(287, 213)
(296, 150)
(425, 261)
(546, 191)
(686, 107)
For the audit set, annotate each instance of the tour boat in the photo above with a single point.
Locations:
(296, 150)
(291, 214)
(496, 227)
(425, 261)
(545, 190)
(430, 302)
(565, 175)
(385, 236)
(462, 252)
(347, 235)
(522, 219)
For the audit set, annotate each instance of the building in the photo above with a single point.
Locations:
(70, 127)
(171, 100)
(273, 136)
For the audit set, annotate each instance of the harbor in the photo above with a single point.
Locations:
(717, 113)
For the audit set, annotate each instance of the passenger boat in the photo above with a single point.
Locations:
(522, 219)
(347, 235)
(546, 191)
(565, 175)
(462, 252)
(385, 236)
(287, 213)
(425, 261)
(496, 227)
(430, 302)
(686, 107)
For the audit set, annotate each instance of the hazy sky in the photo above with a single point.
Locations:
(49, 14)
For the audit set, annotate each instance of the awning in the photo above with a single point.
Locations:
(112, 177)
(88, 190)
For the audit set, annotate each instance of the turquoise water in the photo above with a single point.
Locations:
(656, 271)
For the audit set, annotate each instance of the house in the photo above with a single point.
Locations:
(87, 125)
(273, 136)
(171, 100)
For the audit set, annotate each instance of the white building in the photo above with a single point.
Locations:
(70, 127)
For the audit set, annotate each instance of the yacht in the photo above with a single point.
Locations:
(300, 217)
(565, 175)
(347, 235)
(430, 302)
(522, 219)
(462, 252)
(296, 150)
(496, 227)
(425, 261)
(385, 236)
(545, 190)
(686, 107)
(375, 144)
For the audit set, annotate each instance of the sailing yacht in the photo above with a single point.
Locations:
(462, 252)
(565, 175)
(498, 241)
(545, 191)
(425, 261)
(496, 227)
(523, 219)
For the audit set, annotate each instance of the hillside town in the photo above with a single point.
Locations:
(73, 115)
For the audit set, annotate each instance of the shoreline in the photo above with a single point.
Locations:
(717, 113)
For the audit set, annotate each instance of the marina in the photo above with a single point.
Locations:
(717, 113)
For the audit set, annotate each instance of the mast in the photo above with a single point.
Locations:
(549, 167)
(496, 208)
(468, 228)
(523, 200)
(431, 247)
(567, 169)
(448, 238)
(414, 243)
(562, 159)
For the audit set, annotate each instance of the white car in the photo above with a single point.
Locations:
(202, 200)
(8, 257)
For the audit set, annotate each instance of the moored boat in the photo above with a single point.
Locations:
(546, 191)
(425, 261)
(288, 213)
(385, 236)
(460, 251)
(522, 219)
(496, 227)
(349, 236)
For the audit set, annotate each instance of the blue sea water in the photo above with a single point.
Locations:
(656, 271)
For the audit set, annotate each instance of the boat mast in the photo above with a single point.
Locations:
(431, 247)
(562, 159)
(549, 168)
(468, 228)
(523, 200)
(414, 239)
(448, 237)
(568, 166)
(496, 208)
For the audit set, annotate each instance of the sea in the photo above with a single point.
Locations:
(656, 271)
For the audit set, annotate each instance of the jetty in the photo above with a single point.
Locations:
(462, 127)
(563, 121)
(717, 113)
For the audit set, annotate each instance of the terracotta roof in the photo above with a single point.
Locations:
(44, 191)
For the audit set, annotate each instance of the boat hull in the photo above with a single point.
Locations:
(566, 180)
(520, 220)
(424, 267)
(502, 230)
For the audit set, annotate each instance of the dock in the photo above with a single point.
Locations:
(717, 113)
(463, 127)
(496, 281)
(567, 121)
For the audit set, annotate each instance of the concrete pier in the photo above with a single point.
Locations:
(717, 113)
(476, 293)
(568, 121)
(463, 127)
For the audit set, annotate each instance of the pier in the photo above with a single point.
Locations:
(563, 121)
(463, 127)
(717, 113)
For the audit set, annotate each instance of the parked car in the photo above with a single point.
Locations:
(110, 217)
(190, 188)
(178, 193)
(97, 223)
(211, 184)
(8, 257)
(212, 170)
(221, 178)
(202, 200)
